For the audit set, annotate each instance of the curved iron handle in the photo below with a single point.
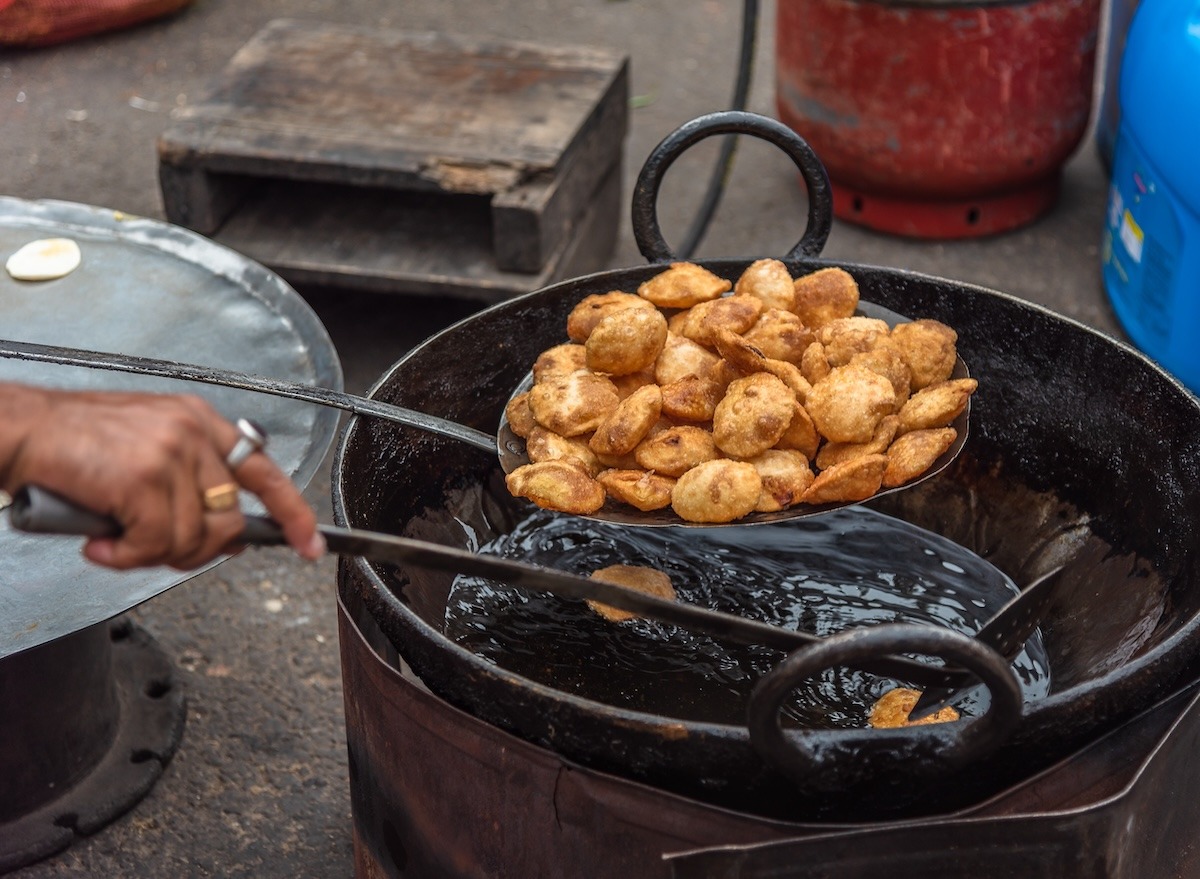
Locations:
(646, 230)
(944, 746)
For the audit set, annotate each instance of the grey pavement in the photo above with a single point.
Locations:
(259, 787)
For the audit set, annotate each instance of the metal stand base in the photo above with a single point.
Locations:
(150, 713)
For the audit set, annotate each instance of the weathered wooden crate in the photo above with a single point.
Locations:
(405, 162)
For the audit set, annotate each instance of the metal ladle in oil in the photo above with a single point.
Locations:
(846, 568)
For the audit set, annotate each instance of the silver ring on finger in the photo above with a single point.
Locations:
(253, 439)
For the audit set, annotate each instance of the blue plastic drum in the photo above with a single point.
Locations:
(1151, 243)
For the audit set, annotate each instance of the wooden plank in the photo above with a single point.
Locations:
(391, 108)
(530, 220)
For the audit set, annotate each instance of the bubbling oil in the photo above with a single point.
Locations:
(822, 575)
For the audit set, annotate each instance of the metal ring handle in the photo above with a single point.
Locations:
(940, 746)
(646, 230)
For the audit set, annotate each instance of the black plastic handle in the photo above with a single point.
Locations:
(942, 747)
(646, 230)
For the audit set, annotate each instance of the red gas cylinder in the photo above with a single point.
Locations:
(943, 119)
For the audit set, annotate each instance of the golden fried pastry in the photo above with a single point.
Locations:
(894, 707)
(780, 335)
(627, 384)
(847, 336)
(638, 488)
(559, 360)
(557, 485)
(544, 445)
(836, 453)
(790, 375)
(593, 309)
(825, 295)
(785, 477)
(573, 404)
(886, 360)
(738, 353)
(801, 435)
(814, 365)
(848, 404)
(676, 450)
(780, 372)
(734, 313)
(847, 482)
(753, 415)
(519, 415)
(691, 399)
(683, 285)
(717, 491)
(629, 423)
(928, 347)
(682, 357)
(936, 405)
(770, 281)
(914, 453)
(641, 579)
(626, 341)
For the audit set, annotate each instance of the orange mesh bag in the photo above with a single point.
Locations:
(45, 22)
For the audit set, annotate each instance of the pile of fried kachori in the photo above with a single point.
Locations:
(720, 400)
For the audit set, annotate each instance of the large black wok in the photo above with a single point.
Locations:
(1081, 452)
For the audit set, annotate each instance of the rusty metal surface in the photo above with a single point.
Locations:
(437, 792)
(147, 288)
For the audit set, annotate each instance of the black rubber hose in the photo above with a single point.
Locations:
(724, 165)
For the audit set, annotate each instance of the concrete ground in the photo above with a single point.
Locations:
(258, 787)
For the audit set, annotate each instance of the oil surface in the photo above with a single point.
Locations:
(849, 568)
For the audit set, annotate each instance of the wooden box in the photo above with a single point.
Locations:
(405, 162)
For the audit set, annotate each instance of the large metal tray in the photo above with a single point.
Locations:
(149, 289)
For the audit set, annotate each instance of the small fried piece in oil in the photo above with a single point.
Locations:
(629, 423)
(825, 295)
(847, 482)
(642, 579)
(717, 491)
(936, 405)
(848, 404)
(557, 485)
(753, 415)
(928, 347)
(676, 450)
(593, 309)
(785, 477)
(683, 285)
(639, 488)
(814, 365)
(770, 281)
(573, 404)
(893, 708)
(739, 353)
(914, 453)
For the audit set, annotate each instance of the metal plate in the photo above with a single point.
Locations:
(150, 289)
